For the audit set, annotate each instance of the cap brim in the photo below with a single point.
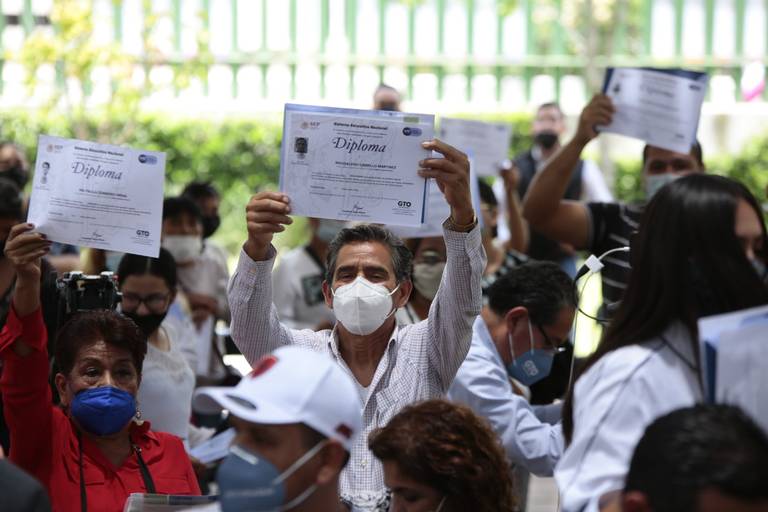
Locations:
(212, 400)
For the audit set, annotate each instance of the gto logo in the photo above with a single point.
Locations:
(404, 204)
(141, 232)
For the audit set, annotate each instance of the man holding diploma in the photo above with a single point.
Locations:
(599, 227)
(368, 278)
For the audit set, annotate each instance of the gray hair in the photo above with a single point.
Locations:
(402, 258)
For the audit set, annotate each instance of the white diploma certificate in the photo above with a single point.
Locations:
(355, 165)
(660, 106)
(487, 142)
(97, 195)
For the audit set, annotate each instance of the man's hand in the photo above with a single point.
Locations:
(266, 214)
(452, 176)
(599, 111)
(510, 176)
(24, 248)
(202, 306)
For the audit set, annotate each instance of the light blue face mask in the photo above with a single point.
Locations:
(655, 182)
(531, 366)
(249, 482)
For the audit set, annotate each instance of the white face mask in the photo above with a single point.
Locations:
(426, 278)
(183, 248)
(654, 183)
(362, 306)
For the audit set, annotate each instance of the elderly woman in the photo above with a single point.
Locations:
(439, 456)
(93, 451)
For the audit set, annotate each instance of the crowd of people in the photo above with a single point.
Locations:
(389, 374)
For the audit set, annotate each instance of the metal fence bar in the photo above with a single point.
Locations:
(27, 20)
(647, 28)
(470, 72)
(207, 27)
(2, 50)
(440, 70)
(679, 8)
(235, 40)
(382, 35)
(351, 19)
(740, 8)
(324, 31)
(410, 69)
(292, 14)
(499, 71)
(530, 40)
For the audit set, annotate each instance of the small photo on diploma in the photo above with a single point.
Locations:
(98, 195)
(355, 165)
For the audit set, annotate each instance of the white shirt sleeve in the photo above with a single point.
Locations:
(593, 186)
(485, 388)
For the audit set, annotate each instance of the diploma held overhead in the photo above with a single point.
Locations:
(98, 195)
(354, 165)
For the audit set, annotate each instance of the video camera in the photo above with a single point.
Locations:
(80, 292)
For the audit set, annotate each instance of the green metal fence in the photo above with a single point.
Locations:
(630, 44)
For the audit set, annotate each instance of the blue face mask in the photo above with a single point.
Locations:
(759, 267)
(531, 366)
(103, 411)
(248, 482)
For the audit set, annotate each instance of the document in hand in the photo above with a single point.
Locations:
(735, 359)
(97, 195)
(488, 142)
(355, 165)
(216, 448)
(437, 209)
(660, 106)
(138, 502)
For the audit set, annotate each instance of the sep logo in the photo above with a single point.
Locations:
(142, 233)
(404, 204)
(147, 159)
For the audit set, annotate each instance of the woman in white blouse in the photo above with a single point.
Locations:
(148, 286)
(699, 251)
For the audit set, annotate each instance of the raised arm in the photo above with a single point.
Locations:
(543, 205)
(459, 298)
(518, 227)
(255, 326)
(24, 382)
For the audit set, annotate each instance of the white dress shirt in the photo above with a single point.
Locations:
(419, 363)
(482, 383)
(614, 401)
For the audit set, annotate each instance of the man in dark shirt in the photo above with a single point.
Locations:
(599, 227)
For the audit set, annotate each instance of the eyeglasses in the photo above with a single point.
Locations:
(553, 346)
(155, 301)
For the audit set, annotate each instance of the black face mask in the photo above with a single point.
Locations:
(147, 323)
(16, 174)
(210, 225)
(546, 139)
(389, 107)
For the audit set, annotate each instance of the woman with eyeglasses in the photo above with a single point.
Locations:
(93, 450)
(148, 286)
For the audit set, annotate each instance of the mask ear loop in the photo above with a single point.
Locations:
(511, 346)
(530, 333)
(293, 468)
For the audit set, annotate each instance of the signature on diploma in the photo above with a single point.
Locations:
(357, 208)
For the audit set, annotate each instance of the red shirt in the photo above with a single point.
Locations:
(44, 440)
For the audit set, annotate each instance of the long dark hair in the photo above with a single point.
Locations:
(687, 262)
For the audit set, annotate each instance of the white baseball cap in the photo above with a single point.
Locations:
(292, 385)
